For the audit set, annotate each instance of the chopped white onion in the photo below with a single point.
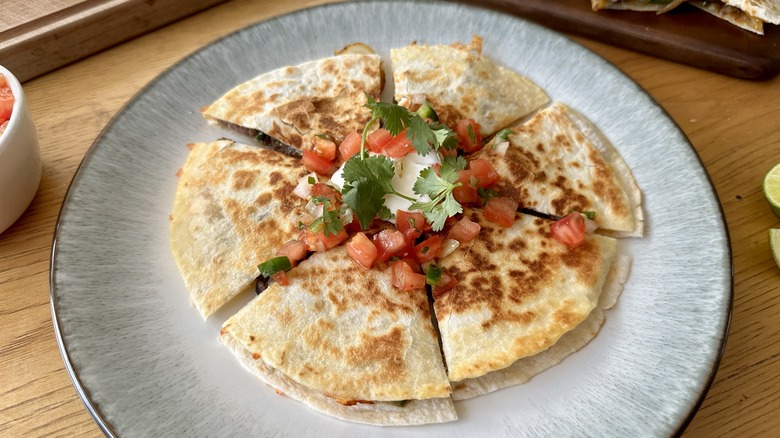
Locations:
(448, 246)
(590, 226)
(303, 189)
(316, 209)
(500, 148)
(346, 216)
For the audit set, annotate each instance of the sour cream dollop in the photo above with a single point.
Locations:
(407, 170)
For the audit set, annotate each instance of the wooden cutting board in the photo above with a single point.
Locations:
(37, 36)
(686, 35)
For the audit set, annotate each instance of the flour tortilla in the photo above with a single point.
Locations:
(557, 162)
(413, 412)
(518, 292)
(524, 369)
(731, 14)
(765, 10)
(345, 332)
(460, 83)
(293, 104)
(230, 214)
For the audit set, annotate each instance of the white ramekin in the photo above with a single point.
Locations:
(20, 158)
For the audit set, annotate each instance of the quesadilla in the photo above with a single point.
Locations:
(524, 369)
(731, 14)
(346, 333)
(518, 292)
(460, 83)
(556, 163)
(296, 103)
(230, 214)
(765, 10)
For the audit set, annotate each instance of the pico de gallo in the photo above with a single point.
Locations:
(6, 102)
(412, 159)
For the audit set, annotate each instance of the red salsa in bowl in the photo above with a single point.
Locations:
(6, 103)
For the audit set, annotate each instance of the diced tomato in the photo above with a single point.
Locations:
(324, 190)
(501, 211)
(413, 264)
(315, 163)
(311, 240)
(464, 231)
(466, 192)
(294, 250)
(324, 147)
(485, 174)
(404, 277)
(405, 220)
(350, 145)
(469, 136)
(6, 100)
(570, 230)
(334, 239)
(281, 278)
(362, 250)
(388, 243)
(398, 146)
(377, 139)
(428, 249)
(446, 283)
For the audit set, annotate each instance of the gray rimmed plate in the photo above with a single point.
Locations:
(145, 363)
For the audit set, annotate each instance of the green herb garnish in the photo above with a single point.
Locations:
(439, 189)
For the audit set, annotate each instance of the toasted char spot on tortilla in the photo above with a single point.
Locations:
(244, 179)
(383, 354)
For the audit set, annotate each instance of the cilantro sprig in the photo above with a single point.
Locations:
(439, 189)
(367, 179)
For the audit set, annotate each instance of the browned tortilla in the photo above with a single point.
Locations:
(293, 104)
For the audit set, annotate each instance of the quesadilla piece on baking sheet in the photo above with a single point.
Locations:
(459, 82)
(557, 162)
(296, 103)
(518, 292)
(346, 333)
(524, 369)
(230, 214)
(731, 14)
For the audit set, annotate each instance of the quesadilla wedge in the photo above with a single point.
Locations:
(518, 291)
(765, 10)
(297, 103)
(346, 333)
(524, 369)
(557, 162)
(230, 214)
(731, 14)
(460, 83)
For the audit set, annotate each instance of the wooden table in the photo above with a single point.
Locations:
(732, 124)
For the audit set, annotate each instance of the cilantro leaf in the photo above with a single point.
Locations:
(453, 162)
(396, 117)
(366, 199)
(439, 189)
(422, 136)
(377, 169)
(445, 137)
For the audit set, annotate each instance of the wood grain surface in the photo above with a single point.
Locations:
(731, 123)
(39, 36)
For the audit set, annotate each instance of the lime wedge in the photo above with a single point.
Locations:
(772, 189)
(774, 243)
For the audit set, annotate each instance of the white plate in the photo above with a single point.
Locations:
(147, 365)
